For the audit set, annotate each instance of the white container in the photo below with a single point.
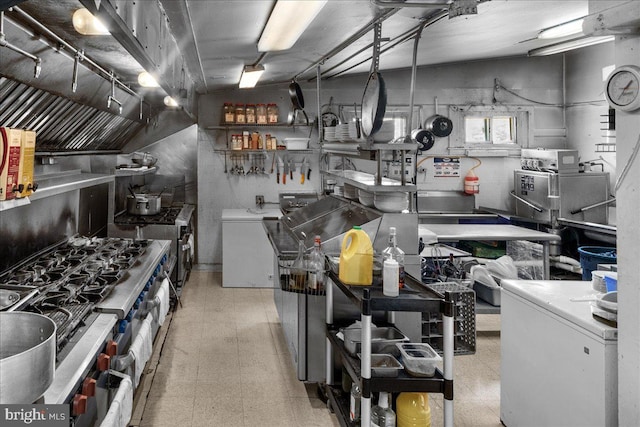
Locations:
(296, 143)
(419, 359)
(390, 278)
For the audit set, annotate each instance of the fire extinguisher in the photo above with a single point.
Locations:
(471, 181)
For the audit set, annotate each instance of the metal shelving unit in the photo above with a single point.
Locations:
(416, 297)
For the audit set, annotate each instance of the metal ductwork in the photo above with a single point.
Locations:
(60, 123)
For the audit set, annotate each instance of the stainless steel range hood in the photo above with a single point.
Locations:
(80, 93)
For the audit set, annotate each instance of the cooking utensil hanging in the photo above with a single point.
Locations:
(423, 138)
(374, 98)
(297, 99)
(439, 126)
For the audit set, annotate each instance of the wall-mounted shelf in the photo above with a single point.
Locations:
(135, 171)
(53, 185)
(254, 125)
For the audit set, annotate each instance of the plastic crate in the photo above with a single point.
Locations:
(289, 283)
(464, 321)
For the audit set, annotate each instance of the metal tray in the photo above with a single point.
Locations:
(383, 340)
(384, 365)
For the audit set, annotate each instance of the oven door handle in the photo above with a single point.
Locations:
(526, 202)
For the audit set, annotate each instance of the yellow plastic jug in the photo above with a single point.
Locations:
(413, 410)
(356, 258)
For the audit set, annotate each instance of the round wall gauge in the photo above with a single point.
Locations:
(623, 88)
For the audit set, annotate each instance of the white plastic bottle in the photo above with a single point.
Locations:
(381, 414)
(392, 251)
(390, 278)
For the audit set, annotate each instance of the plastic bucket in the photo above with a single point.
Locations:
(591, 256)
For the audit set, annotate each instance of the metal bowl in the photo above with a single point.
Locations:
(147, 161)
(27, 356)
(391, 202)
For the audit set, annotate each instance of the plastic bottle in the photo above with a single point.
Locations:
(315, 267)
(390, 274)
(354, 405)
(356, 258)
(381, 414)
(413, 410)
(298, 270)
(471, 183)
(392, 251)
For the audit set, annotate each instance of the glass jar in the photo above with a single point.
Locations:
(240, 114)
(250, 113)
(245, 140)
(228, 113)
(261, 114)
(272, 113)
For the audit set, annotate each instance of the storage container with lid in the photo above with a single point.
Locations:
(228, 113)
(272, 113)
(240, 113)
(419, 359)
(261, 114)
(250, 112)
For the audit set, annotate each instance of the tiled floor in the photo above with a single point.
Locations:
(224, 362)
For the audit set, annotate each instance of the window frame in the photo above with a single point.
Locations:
(523, 130)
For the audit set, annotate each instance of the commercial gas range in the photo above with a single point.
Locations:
(98, 292)
(173, 223)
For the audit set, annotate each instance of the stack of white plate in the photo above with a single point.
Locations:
(350, 192)
(342, 132)
(330, 134)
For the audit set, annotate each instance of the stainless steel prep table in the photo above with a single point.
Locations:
(457, 232)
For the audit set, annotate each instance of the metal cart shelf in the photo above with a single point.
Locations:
(417, 297)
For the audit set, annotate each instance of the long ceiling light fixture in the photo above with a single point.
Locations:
(569, 28)
(287, 22)
(570, 45)
(250, 76)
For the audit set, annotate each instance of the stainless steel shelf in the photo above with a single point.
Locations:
(254, 125)
(54, 185)
(135, 171)
(366, 181)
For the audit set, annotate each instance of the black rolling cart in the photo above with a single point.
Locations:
(451, 301)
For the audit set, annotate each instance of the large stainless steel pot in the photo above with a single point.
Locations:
(143, 204)
(27, 356)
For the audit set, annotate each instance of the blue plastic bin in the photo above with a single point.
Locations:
(591, 256)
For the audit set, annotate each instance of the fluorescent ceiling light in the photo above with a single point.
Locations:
(170, 102)
(147, 80)
(563, 30)
(570, 45)
(250, 76)
(87, 24)
(287, 22)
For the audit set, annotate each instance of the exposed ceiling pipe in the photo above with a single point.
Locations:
(5, 43)
(105, 74)
(397, 41)
(359, 34)
(414, 68)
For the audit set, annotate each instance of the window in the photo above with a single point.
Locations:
(490, 129)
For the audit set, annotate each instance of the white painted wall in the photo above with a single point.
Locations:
(538, 79)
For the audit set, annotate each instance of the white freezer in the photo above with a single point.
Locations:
(247, 255)
(558, 364)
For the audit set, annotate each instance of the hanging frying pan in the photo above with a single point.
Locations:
(374, 104)
(439, 125)
(424, 138)
(296, 95)
(374, 98)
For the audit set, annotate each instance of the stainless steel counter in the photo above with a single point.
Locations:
(457, 232)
